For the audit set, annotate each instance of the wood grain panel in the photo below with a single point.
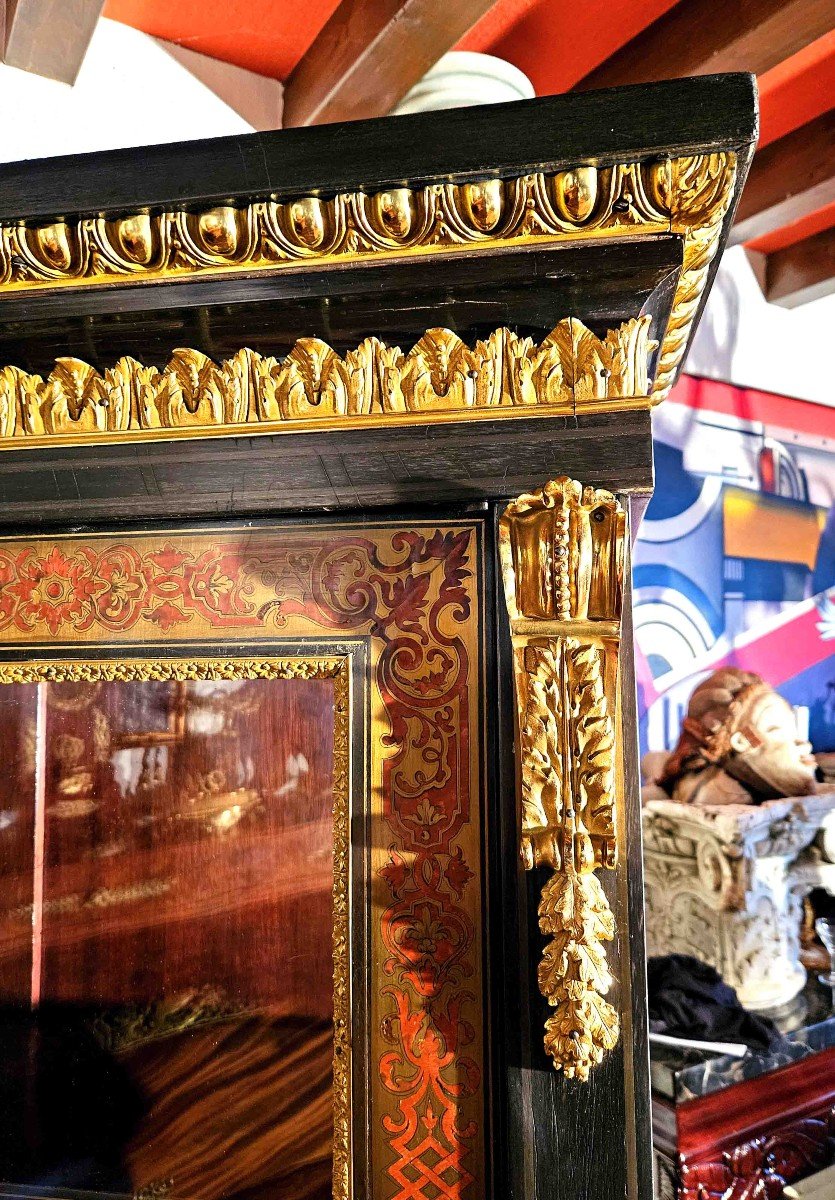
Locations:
(699, 37)
(755, 1106)
(256, 1095)
(50, 37)
(354, 470)
(802, 272)
(17, 823)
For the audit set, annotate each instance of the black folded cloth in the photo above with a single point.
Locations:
(689, 999)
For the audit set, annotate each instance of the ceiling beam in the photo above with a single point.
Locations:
(802, 272)
(370, 53)
(49, 37)
(788, 180)
(701, 37)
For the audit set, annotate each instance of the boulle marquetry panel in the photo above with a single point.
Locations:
(188, 806)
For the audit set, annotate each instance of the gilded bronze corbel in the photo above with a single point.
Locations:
(561, 554)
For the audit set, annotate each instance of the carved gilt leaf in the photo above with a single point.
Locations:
(542, 756)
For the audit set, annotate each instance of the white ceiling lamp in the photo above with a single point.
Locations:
(462, 78)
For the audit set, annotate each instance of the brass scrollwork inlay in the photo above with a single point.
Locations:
(686, 196)
(313, 387)
(561, 553)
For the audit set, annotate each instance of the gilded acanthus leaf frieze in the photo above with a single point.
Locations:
(314, 387)
(686, 196)
(562, 559)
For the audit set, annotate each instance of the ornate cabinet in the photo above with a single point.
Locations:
(721, 1131)
(320, 453)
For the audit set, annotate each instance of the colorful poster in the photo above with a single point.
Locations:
(735, 561)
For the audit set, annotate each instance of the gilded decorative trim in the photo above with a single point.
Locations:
(342, 1102)
(134, 670)
(561, 554)
(701, 188)
(687, 196)
(320, 667)
(315, 388)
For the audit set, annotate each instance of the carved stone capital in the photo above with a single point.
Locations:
(561, 552)
(722, 884)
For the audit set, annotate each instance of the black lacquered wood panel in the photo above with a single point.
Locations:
(678, 116)
(356, 469)
(526, 290)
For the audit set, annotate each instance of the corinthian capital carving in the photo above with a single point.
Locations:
(561, 553)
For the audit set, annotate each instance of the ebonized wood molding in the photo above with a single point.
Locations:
(357, 470)
(684, 116)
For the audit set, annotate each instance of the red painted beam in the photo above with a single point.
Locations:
(788, 180)
(556, 44)
(797, 90)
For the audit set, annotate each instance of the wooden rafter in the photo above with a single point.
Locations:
(788, 180)
(370, 53)
(802, 272)
(701, 37)
(49, 37)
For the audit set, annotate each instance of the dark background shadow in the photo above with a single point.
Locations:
(67, 1107)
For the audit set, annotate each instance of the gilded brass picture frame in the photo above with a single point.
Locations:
(392, 612)
(337, 667)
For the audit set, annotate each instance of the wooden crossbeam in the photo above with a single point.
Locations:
(49, 37)
(789, 179)
(802, 272)
(701, 37)
(370, 53)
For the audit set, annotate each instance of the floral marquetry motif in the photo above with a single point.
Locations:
(562, 554)
(411, 596)
(83, 589)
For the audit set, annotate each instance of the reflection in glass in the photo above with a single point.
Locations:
(166, 938)
(825, 928)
